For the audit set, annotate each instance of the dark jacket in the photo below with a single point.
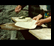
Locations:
(34, 10)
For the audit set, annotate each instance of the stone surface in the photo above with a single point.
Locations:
(6, 12)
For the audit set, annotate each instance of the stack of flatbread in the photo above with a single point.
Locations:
(27, 22)
(27, 25)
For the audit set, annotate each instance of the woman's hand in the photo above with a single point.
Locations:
(40, 22)
(37, 17)
(18, 8)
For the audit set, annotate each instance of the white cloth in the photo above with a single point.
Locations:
(44, 7)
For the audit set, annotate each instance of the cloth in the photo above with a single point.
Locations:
(47, 14)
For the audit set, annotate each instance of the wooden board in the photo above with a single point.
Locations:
(10, 26)
(41, 34)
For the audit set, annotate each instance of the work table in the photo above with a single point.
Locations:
(41, 34)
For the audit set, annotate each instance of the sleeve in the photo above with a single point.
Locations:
(23, 6)
(42, 13)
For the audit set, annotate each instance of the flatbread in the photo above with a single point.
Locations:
(27, 25)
